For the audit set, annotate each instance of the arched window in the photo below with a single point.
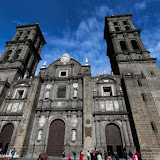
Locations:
(26, 37)
(125, 22)
(8, 54)
(123, 45)
(17, 38)
(18, 52)
(134, 44)
(117, 29)
(28, 32)
(127, 28)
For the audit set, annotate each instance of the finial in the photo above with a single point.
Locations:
(44, 65)
(86, 62)
(112, 73)
(105, 72)
(97, 74)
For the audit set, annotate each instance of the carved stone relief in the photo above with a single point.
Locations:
(9, 107)
(116, 105)
(46, 96)
(15, 107)
(109, 106)
(42, 121)
(39, 138)
(102, 105)
(74, 135)
(74, 121)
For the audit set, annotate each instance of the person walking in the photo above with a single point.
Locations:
(125, 155)
(74, 155)
(81, 155)
(99, 157)
(69, 157)
(88, 155)
(13, 153)
(63, 154)
(105, 155)
(116, 155)
(130, 155)
(92, 158)
(138, 155)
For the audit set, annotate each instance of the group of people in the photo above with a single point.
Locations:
(131, 156)
(97, 155)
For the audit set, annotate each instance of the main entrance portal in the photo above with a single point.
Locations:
(113, 139)
(55, 145)
(5, 137)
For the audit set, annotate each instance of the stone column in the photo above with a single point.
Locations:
(129, 133)
(98, 140)
(125, 133)
(128, 43)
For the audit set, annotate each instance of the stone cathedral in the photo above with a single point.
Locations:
(64, 107)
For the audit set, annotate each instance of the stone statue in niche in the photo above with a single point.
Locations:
(74, 120)
(39, 138)
(102, 106)
(74, 135)
(75, 93)
(42, 120)
(46, 96)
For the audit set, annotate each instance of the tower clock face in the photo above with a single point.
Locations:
(48, 86)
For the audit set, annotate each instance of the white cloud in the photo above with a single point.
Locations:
(140, 6)
(17, 22)
(85, 42)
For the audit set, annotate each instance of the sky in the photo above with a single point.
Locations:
(84, 20)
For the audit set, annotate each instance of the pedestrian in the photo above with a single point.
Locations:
(109, 155)
(99, 157)
(96, 154)
(5, 158)
(74, 155)
(138, 155)
(136, 158)
(81, 155)
(0, 150)
(63, 154)
(88, 155)
(125, 155)
(116, 155)
(92, 158)
(130, 155)
(105, 155)
(13, 152)
(133, 157)
(69, 157)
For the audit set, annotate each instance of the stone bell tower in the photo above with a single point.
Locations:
(22, 53)
(140, 80)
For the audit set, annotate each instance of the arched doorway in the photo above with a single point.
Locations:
(56, 138)
(113, 139)
(5, 137)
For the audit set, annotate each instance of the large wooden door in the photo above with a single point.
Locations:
(55, 145)
(5, 137)
(113, 139)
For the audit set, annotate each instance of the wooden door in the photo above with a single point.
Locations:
(55, 145)
(5, 136)
(113, 139)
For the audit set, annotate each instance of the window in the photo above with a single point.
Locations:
(28, 32)
(125, 22)
(123, 45)
(17, 54)
(154, 127)
(127, 28)
(61, 92)
(134, 44)
(115, 23)
(117, 29)
(8, 55)
(26, 37)
(139, 82)
(152, 73)
(144, 97)
(63, 73)
(107, 91)
(19, 94)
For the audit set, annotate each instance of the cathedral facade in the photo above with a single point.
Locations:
(64, 107)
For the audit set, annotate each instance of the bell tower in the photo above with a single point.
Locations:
(140, 81)
(22, 53)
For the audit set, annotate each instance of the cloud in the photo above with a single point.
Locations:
(18, 22)
(85, 42)
(141, 6)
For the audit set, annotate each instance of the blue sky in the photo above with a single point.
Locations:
(84, 19)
